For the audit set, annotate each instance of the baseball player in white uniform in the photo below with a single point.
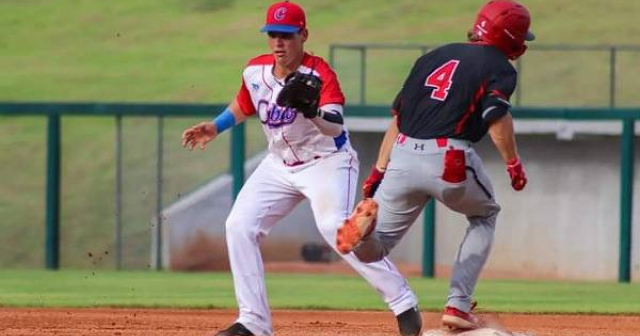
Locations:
(309, 157)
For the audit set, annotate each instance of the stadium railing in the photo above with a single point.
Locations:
(612, 54)
(54, 111)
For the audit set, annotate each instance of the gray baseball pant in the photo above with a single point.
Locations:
(413, 177)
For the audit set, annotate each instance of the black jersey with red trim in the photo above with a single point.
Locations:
(455, 91)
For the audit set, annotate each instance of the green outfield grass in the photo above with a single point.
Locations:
(85, 288)
(193, 51)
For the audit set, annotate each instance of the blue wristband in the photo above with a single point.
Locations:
(224, 121)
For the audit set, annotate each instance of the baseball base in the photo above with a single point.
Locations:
(475, 332)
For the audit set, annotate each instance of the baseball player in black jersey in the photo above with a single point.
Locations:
(453, 96)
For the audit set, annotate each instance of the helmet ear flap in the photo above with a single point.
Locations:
(518, 52)
(472, 36)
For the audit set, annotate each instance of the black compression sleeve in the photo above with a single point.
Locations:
(335, 118)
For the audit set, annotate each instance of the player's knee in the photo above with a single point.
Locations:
(328, 228)
(487, 211)
(487, 221)
(492, 211)
(368, 256)
(371, 250)
(238, 227)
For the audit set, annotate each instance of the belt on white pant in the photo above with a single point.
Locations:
(299, 163)
(429, 146)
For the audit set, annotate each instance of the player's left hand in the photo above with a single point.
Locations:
(372, 182)
(301, 91)
(199, 134)
(517, 174)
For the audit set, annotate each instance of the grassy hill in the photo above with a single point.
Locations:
(193, 51)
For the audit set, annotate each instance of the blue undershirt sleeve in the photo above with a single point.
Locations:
(224, 121)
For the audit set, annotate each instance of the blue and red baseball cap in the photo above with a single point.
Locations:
(285, 17)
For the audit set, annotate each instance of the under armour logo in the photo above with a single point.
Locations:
(418, 146)
(255, 86)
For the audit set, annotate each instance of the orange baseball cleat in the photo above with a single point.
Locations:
(358, 226)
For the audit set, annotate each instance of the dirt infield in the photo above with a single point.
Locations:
(122, 322)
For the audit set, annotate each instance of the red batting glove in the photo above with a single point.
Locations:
(517, 174)
(372, 182)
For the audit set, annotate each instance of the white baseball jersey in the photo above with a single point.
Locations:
(291, 137)
(274, 189)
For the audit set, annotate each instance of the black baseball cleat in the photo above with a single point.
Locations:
(236, 329)
(410, 322)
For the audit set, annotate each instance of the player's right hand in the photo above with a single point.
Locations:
(372, 182)
(517, 174)
(198, 135)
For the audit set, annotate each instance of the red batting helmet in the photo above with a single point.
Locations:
(505, 25)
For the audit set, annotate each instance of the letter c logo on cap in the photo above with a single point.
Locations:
(280, 13)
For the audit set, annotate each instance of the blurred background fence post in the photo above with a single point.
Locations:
(429, 234)
(118, 194)
(627, 163)
(612, 77)
(52, 237)
(363, 75)
(159, 190)
(238, 150)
